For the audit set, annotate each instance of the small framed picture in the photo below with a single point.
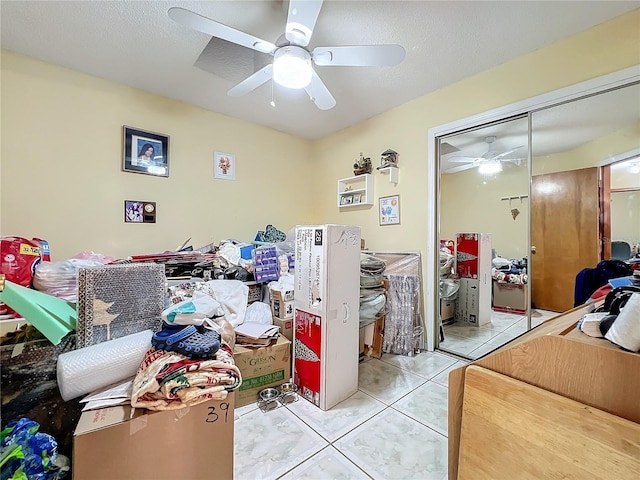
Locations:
(224, 166)
(136, 211)
(133, 211)
(356, 198)
(145, 152)
(346, 199)
(389, 210)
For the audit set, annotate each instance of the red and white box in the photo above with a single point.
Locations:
(326, 322)
(473, 266)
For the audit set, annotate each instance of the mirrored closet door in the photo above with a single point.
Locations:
(484, 223)
(524, 205)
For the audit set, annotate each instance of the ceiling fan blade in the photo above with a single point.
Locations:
(319, 93)
(504, 154)
(216, 29)
(465, 159)
(301, 20)
(460, 168)
(359, 56)
(251, 83)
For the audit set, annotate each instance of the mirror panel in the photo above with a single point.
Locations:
(475, 199)
(573, 221)
(575, 147)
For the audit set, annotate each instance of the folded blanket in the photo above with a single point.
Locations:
(170, 381)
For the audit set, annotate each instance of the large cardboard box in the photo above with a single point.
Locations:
(261, 368)
(286, 327)
(327, 301)
(128, 443)
(282, 304)
(510, 297)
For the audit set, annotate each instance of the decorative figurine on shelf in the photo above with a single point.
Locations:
(389, 159)
(362, 165)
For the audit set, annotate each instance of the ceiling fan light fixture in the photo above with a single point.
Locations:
(292, 67)
(490, 168)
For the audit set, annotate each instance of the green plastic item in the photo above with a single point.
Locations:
(52, 316)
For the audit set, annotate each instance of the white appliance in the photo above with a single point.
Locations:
(326, 301)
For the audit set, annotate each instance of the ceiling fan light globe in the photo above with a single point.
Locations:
(292, 67)
(490, 168)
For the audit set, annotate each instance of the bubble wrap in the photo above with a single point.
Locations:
(87, 369)
(119, 300)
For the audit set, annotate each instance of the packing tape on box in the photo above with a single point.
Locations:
(84, 370)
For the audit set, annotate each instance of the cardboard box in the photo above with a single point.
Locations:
(509, 297)
(261, 368)
(286, 327)
(471, 304)
(282, 304)
(127, 443)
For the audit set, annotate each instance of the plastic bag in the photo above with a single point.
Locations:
(60, 279)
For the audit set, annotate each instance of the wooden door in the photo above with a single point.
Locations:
(565, 234)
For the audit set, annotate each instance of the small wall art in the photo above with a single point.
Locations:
(145, 152)
(389, 210)
(136, 211)
(224, 166)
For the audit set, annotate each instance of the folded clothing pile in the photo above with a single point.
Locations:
(170, 380)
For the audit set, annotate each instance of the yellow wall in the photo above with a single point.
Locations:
(604, 49)
(61, 150)
(625, 217)
(62, 156)
(469, 205)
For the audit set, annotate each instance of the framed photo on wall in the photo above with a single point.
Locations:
(145, 152)
(389, 210)
(224, 166)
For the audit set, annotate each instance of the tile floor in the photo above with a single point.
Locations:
(474, 342)
(394, 427)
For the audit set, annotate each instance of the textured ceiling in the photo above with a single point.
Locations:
(135, 43)
(558, 129)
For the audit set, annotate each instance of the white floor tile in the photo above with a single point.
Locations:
(270, 444)
(443, 377)
(503, 320)
(506, 336)
(482, 350)
(344, 417)
(393, 446)
(425, 364)
(428, 405)
(385, 382)
(461, 346)
(246, 409)
(327, 464)
(480, 334)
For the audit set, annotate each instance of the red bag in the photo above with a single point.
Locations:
(19, 258)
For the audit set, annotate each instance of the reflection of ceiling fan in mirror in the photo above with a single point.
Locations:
(489, 162)
(292, 65)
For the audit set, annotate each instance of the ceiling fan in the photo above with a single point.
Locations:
(293, 61)
(489, 162)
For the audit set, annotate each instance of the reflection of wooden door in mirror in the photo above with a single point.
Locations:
(565, 234)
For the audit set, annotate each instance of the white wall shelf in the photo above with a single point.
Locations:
(392, 172)
(354, 191)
